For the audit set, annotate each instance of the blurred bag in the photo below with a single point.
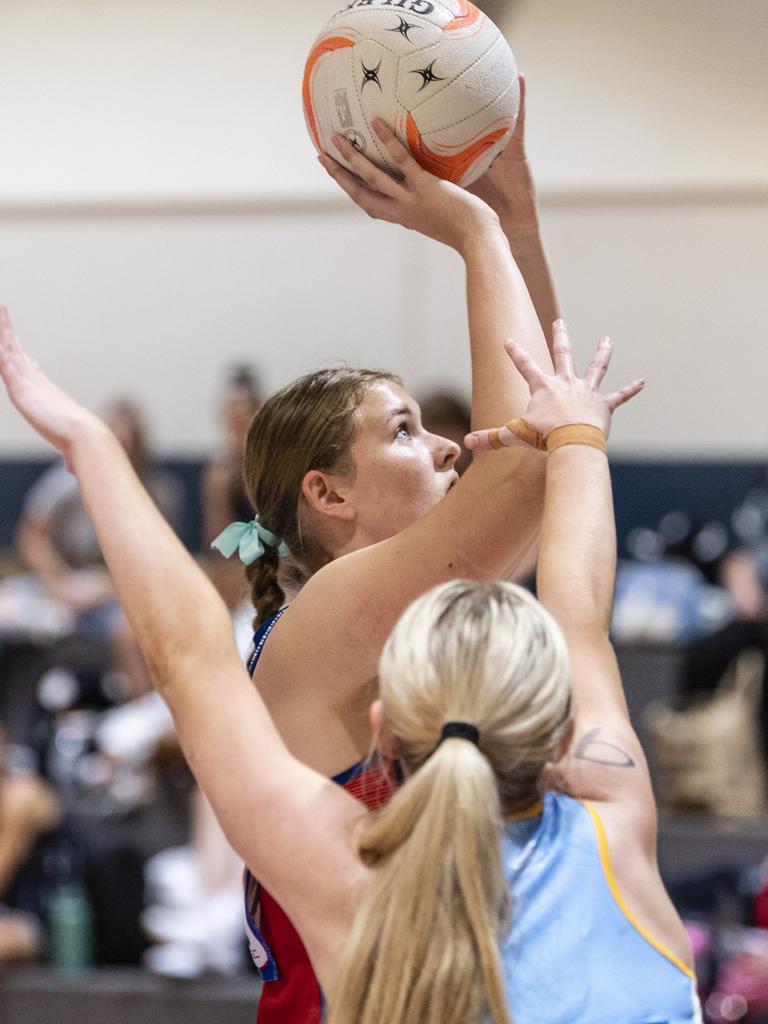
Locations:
(708, 756)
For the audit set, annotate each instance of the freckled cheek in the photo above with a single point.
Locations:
(405, 489)
(390, 486)
(406, 483)
(423, 491)
(418, 479)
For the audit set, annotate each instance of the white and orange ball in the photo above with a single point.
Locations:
(438, 71)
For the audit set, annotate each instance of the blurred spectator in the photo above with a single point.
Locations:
(448, 414)
(224, 499)
(744, 575)
(195, 911)
(57, 543)
(28, 811)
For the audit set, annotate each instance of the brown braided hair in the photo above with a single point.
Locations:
(308, 425)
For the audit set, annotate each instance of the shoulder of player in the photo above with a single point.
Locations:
(344, 599)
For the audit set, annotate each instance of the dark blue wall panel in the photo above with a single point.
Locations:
(17, 476)
(644, 491)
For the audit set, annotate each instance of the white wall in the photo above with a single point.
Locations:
(648, 94)
(161, 213)
(195, 98)
(168, 98)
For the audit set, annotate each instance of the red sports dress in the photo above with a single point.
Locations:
(291, 993)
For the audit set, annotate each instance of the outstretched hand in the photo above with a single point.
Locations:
(410, 196)
(55, 415)
(562, 397)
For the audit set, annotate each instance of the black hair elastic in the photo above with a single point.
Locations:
(460, 731)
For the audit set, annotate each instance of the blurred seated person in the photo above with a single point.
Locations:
(28, 811)
(56, 541)
(744, 575)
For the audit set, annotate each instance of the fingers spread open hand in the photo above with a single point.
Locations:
(562, 353)
(529, 370)
(561, 398)
(624, 394)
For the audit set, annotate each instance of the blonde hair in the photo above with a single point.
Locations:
(423, 948)
(310, 424)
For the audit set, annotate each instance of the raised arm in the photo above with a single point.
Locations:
(577, 560)
(604, 763)
(348, 608)
(508, 188)
(300, 847)
(499, 305)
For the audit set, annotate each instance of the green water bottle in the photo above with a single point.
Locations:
(71, 928)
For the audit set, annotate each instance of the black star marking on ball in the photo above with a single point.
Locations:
(404, 28)
(371, 75)
(428, 75)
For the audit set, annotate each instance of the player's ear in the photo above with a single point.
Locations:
(326, 493)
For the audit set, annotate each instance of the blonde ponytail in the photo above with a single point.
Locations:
(424, 946)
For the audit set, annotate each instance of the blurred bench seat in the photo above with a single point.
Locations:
(37, 995)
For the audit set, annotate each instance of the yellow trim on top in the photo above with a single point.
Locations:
(530, 812)
(605, 860)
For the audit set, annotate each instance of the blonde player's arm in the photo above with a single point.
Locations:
(575, 581)
(577, 567)
(576, 577)
(290, 825)
(603, 761)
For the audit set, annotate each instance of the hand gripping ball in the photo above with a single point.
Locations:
(438, 71)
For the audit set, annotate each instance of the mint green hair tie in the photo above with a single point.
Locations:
(250, 540)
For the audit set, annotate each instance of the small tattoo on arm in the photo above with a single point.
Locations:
(598, 751)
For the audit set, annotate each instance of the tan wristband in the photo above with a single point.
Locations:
(576, 433)
(527, 432)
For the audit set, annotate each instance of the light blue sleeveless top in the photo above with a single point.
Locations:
(573, 953)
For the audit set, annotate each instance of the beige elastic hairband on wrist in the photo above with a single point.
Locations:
(576, 433)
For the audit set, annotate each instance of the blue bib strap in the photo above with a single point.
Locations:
(261, 954)
(260, 638)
